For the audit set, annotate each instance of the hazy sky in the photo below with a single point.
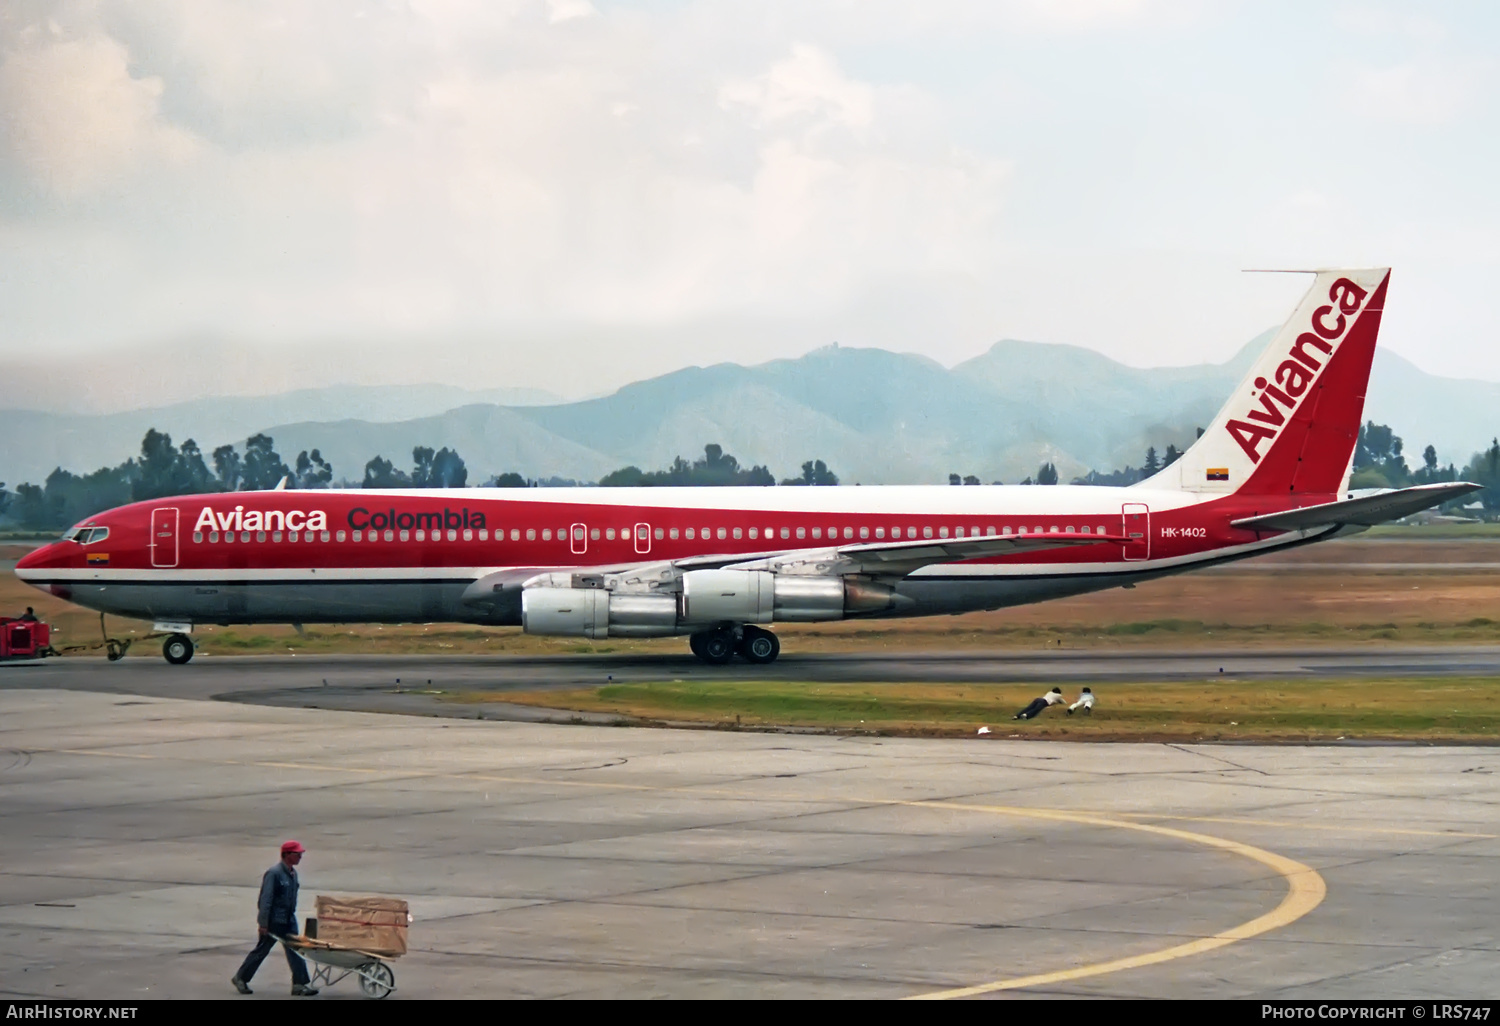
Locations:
(585, 193)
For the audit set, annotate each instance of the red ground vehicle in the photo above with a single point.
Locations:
(24, 639)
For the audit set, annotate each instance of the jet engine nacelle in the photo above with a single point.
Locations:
(596, 613)
(708, 598)
(759, 596)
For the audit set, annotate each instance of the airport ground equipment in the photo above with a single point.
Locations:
(24, 639)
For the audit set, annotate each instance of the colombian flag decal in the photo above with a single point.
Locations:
(98, 559)
(1218, 473)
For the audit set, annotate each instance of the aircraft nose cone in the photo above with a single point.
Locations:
(40, 558)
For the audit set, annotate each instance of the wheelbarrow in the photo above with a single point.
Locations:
(332, 963)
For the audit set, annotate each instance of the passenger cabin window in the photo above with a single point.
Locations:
(802, 532)
(197, 536)
(672, 534)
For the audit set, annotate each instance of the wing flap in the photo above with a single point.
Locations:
(1365, 511)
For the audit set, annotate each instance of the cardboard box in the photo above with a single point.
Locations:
(376, 925)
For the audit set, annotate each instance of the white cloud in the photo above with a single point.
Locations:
(805, 86)
(74, 119)
(567, 10)
(1425, 92)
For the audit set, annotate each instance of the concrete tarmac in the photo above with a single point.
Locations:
(403, 684)
(576, 861)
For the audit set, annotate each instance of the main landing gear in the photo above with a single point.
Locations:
(719, 646)
(177, 649)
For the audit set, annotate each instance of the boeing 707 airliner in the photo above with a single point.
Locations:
(722, 565)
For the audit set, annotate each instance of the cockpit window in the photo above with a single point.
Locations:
(87, 535)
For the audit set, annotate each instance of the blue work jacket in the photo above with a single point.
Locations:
(278, 899)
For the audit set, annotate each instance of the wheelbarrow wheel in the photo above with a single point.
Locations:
(376, 980)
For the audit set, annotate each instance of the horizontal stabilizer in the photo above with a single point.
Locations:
(1363, 512)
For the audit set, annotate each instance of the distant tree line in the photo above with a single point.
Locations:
(716, 469)
(163, 469)
(1379, 462)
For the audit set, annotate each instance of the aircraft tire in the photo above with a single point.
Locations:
(760, 646)
(717, 647)
(695, 642)
(177, 649)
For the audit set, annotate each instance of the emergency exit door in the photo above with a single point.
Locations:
(578, 539)
(1138, 530)
(642, 539)
(164, 537)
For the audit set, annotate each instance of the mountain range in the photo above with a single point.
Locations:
(875, 417)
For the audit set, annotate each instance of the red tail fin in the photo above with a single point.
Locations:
(1292, 424)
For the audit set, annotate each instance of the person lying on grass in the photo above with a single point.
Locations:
(1085, 702)
(1052, 697)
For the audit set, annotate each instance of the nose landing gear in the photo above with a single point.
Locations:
(719, 646)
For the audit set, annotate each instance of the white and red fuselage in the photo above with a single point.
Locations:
(404, 556)
(598, 562)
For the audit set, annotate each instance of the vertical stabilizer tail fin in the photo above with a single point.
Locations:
(1292, 423)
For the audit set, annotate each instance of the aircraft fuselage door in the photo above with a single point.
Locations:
(642, 539)
(164, 537)
(578, 539)
(1137, 518)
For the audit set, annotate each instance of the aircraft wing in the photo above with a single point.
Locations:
(899, 558)
(1362, 512)
(886, 558)
(906, 556)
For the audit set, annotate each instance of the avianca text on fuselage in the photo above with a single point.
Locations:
(1296, 375)
(241, 519)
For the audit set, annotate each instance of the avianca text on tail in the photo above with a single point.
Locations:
(1296, 374)
(722, 566)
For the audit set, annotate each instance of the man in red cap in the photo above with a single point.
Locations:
(277, 918)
